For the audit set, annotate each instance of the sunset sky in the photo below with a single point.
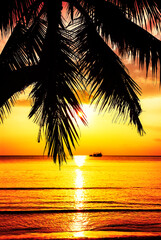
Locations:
(18, 134)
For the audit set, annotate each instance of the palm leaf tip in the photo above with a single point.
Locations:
(61, 135)
(56, 102)
(134, 118)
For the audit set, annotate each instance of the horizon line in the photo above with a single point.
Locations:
(104, 155)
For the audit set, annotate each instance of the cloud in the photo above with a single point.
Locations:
(150, 85)
(24, 100)
(23, 103)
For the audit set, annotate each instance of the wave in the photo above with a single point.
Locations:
(103, 227)
(77, 211)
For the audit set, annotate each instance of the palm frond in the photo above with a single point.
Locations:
(145, 12)
(12, 83)
(24, 46)
(56, 102)
(127, 36)
(110, 82)
(6, 107)
(13, 11)
(22, 50)
(111, 22)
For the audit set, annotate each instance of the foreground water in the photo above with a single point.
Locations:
(89, 197)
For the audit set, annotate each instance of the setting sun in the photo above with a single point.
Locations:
(80, 114)
(79, 160)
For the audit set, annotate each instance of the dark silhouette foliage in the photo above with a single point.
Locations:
(62, 47)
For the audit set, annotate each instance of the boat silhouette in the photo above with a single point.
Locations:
(96, 154)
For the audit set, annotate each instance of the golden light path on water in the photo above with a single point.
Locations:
(79, 220)
(79, 195)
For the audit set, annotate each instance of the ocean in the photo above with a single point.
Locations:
(88, 197)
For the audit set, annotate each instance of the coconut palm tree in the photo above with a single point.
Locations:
(59, 47)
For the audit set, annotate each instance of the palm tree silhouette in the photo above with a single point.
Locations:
(60, 47)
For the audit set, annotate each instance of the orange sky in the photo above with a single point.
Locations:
(18, 135)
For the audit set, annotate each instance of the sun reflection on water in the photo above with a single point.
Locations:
(79, 193)
(80, 220)
(79, 181)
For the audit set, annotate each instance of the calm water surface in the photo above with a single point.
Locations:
(89, 197)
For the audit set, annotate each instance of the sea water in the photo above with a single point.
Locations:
(97, 197)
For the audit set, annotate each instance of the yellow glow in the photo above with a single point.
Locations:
(88, 111)
(79, 160)
(78, 179)
(79, 234)
(80, 114)
(18, 134)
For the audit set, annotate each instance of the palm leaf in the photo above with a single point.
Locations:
(13, 82)
(145, 12)
(127, 36)
(13, 11)
(110, 83)
(56, 102)
(22, 49)
(24, 45)
(112, 22)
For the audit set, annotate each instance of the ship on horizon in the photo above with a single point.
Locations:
(99, 154)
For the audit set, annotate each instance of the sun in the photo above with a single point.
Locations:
(79, 160)
(80, 114)
(85, 114)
